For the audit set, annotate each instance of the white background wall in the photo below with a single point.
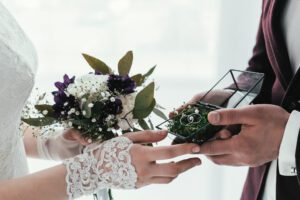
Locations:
(192, 41)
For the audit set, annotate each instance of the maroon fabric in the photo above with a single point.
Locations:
(270, 56)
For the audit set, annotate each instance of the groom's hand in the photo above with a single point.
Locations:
(258, 141)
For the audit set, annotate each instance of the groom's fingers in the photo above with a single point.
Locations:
(219, 147)
(229, 160)
(168, 152)
(147, 136)
(174, 169)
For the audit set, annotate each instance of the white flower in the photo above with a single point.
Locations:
(91, 105)
(128, 105)
(83, 112)
(197, 111)
(89, 84)
(45, 112)
(112, 99)
(94, 120)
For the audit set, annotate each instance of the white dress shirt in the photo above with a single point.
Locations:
(286, 160)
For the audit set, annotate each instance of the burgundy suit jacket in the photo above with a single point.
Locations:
(281, 87)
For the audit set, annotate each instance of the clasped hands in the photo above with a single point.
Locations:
(258, 142)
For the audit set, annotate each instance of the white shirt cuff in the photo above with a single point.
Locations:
(287, 151)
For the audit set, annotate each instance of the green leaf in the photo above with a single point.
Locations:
(144, 102)
(138, 79)
(151, 124)
(125, 64)
(143, 124)
(160, 107)
(97, 64)
(39, 122)
(144, 112)
(160, 113)
(145, 76)
(48, 108)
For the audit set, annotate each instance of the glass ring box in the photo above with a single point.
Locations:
(236, 88)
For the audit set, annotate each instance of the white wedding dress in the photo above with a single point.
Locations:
(18, 64)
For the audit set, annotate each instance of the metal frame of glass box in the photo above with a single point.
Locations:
(208, 131)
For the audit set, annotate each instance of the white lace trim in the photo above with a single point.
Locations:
(106, 166)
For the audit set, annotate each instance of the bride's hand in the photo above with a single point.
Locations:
(75, 136)
(124, 163)
(65, 144)
(144, 158)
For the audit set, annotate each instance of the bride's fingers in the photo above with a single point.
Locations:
(161, 180)
(223, 134)
(174, 169)
(147, 136)
(74, 135)
(154, 180)
(168, 152)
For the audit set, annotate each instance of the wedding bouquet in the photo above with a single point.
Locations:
(101, 104)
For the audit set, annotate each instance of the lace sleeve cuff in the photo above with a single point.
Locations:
(106, 166)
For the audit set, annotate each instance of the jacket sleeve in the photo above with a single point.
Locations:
(259, 62)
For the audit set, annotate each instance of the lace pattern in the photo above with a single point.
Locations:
(106, 166)
(18, 64)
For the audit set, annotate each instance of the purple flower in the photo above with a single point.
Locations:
(61, 86)
(113, 108)
(121, 84)
(63, 102)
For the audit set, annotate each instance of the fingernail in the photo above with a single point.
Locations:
(214, 117)
(196, 149)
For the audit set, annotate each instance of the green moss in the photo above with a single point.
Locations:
(190, 120)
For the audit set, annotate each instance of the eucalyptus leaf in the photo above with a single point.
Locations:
(160, 106)
(125, 64)
(144, 112)
(143, 124)
(151, 124)
(39, 122)
(145, 76)
(144, 102)
(97, 64)
(44, 107)
(160, 113)
(138, 79)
